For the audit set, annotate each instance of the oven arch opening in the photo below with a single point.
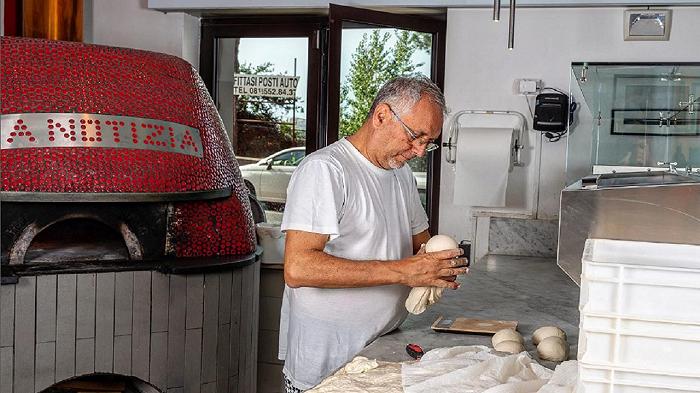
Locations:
(76, 238)
(104, 383)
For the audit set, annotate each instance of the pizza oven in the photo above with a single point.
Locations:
(128, 247)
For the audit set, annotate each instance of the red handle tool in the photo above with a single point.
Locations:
(415, 351)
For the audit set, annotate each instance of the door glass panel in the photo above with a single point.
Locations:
(261, 96)
(371, 56)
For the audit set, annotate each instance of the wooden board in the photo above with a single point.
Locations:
(466, 325)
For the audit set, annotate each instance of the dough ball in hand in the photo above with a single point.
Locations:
(506, 335)
(553, 348)
(440, 243)
(421, 297)
(547, 331)
(509, 346)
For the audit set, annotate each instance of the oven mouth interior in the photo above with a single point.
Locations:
(77, 240)
(102, 383)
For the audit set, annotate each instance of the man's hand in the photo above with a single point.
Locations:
(436, 269)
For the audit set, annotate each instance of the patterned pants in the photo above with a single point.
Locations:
(288, 387)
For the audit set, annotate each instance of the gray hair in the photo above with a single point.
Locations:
(403, 92)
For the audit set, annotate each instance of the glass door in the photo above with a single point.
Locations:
(368, 48)
(261, 96)
(264, 80)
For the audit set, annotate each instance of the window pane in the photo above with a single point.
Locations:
(261, 96)
(369, 58)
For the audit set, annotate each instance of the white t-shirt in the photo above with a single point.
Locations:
(370, 213)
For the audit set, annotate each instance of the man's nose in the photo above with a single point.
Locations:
(418, 149)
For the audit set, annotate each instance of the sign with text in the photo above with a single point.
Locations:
(49, 130)
(282, 86)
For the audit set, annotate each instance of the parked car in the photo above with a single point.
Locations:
(268, 178)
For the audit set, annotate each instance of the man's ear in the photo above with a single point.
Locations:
(381, 115)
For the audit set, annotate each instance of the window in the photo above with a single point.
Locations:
(394, 35)
(326, 57)
(264, 76)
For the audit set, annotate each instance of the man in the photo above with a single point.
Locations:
(353, 221)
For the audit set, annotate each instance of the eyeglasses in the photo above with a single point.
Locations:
(412, 135)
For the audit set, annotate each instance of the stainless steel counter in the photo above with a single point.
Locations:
(652, 207)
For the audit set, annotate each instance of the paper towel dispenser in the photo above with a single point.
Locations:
(517, 145)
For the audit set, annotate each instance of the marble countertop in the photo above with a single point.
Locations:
(530, 290)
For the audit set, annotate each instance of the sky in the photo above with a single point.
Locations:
(281, 52)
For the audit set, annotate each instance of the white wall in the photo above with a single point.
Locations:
(480, 72)
(129, 23)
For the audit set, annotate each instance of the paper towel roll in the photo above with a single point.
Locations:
(483, 162)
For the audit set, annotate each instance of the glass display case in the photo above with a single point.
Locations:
(634, 117)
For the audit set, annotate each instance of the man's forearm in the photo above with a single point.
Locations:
(338, 272)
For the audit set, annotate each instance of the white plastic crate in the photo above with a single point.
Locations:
(646, 345)
(600, 379)
(661, 293)
(640, 315)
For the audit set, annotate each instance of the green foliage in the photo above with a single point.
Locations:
(374, 63)
(422, 41)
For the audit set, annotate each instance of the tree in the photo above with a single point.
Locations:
(372, 64)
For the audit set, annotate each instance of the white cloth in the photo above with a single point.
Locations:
(370, 214)
(563, 380)
(477, 369)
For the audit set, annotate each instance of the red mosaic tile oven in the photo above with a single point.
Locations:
(128, 241)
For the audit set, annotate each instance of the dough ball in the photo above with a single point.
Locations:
(506, 335)
(547, 331)
(360, 364)
(553, 348)
(509, 346)
(440, 243)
